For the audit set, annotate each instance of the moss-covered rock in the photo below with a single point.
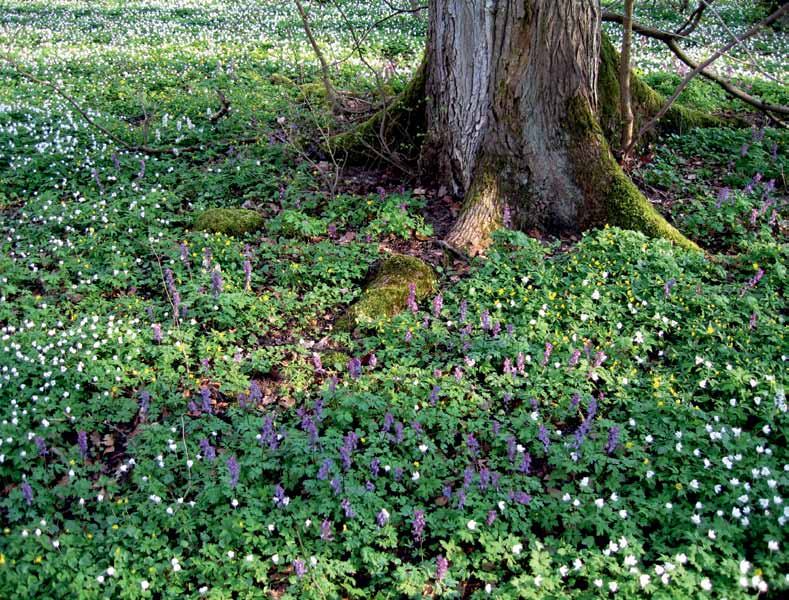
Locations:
(230, 221)
(387, 293)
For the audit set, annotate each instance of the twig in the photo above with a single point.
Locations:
(698, 69)
(223, 110)
(330, 91)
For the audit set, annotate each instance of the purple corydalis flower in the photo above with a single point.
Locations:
(208, 450)
(234, 470)
(316, 362)
(507, 368)
(461, 499)
(472, 444)
(544, 437)
(145, 402)
(418, 525)
(169, 279)
(511, 448)
(41, 445)
(347, 508)
(667, 287)
(599, 357)
(208, 256)
(336, 486)
(752, 322)
(468, 477)
(82, 442)
(216, 282)
(525, 465)
(458, 373)
(388, 422)
(442, 566)
(496, 329)
(184, 253)
(463, 311)
(372, 361)
(434, 395)
(484, 478)
(157, 333)
(491, 518)
(399, 432)
(520, 497)
(408, 336)
(574, 357)
(485, 320)
(116, 162)
(411, 302)
(520, 363)
(438, 304)
(95, 174)
(280, 498)
(375, 467)
(27, 493)
(323, 472)
(613, 440)
(547, 354)
(141, 173)
(247, 274)
(382, 518)
(355, 368)
(326, 531)
(723, 195)
(205, 399)
(299, 568)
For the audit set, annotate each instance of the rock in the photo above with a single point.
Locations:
(230, 221)
(387, 294)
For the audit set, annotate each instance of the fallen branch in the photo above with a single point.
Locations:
(699, 68)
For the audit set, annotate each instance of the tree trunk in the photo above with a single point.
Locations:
(512, 122)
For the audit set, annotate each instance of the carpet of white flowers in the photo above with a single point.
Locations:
(179, 416)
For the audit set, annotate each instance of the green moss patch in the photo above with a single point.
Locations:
(387, 293)
(230, 221)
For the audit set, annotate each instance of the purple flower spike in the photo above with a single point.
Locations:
(418, 525)
(613, 440)
(27, 493)
(82, 442)
(442, 566)
(412, 305)
(234, 470)
(300, 568)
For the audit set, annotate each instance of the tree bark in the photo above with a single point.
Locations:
(512, 108)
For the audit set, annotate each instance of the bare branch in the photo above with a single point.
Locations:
(671, 40)
(699, 68)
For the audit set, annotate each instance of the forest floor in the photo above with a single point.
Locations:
(182, 414)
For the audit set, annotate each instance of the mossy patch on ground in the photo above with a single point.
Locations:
(230, 221)
(387, 293)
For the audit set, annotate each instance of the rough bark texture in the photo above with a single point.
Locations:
(511, 111)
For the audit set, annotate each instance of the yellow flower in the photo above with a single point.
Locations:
(38, 560)
(2, 559)
(678, 486)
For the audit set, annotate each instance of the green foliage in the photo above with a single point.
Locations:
(230, 221)
(144, 365)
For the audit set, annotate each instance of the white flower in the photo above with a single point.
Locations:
(706, 584)
(472, 525)
(681, 558)
(711, 534)
(111, 571)
(745, 566)
(249, 558)
(538, 581)
(630, 561)
(423, 448)
(488, 588)
(144, 584)
(415, 476)
(517, 549)
(596, 295)
(772, 546)
(613, 586)
(275, 559)
(231, 554)
(100, 578)
(644, 580)
(176, 565)
(598, 582)
(563, 570)
(599, 503)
